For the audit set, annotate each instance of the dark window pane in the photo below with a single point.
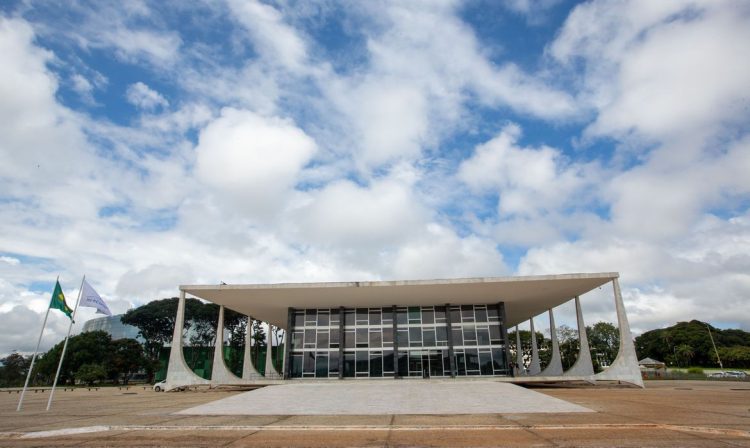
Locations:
(458, 336)
(349, 318)
(311, 317)
(349, 339)
(297, 338)
(441, 334)
(299, 318)
(335, 318)
(376, 365)
(387, 315)
(296, 366)
(362, 315)
(483, 336)
(481, 314)
(321, 366)
(436, 364)
(428, 316)
(388, 336)
(374, 317)
(492, 313)
(403, 338)
(472, 359)
(414, 315)
(323, 319)
(349, 364)
(446, 363)
(333, 363)
(439, 314)
(335, 340)
(495, 332)
(415, 363)
(403, 364)
(309, 363)
(376, 339)
(428, 338)
(455, 315)
(485, 363)
(310, 338)
(388, 362)
(362, 361)
(415, 337)
(322, 339)
(467, 313)
(498, 360)
(362, 337)
(460, 364)
(401, 317)
(470, 335)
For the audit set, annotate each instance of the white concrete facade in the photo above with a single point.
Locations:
(524, 297)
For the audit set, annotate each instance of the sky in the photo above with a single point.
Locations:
(152, 144)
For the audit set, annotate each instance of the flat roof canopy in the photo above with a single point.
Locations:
(524, 297)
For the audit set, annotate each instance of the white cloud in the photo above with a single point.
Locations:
(528, 180)
(253, 160)
(275, 40)
(144, 97)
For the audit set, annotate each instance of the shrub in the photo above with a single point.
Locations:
(695, 370)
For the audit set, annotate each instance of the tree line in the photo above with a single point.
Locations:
(94, 356)
(689, 344)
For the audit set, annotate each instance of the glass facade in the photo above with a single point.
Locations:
(419, 341)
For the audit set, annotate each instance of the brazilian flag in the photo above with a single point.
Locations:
(58, 301)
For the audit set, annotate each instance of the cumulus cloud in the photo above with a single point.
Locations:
(143, 97)
(252, 160)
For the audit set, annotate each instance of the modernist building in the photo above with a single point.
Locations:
(112, 325)
(449, 328)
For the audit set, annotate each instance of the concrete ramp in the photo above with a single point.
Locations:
(387, 397)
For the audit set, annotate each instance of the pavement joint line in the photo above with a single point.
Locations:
(256, 428)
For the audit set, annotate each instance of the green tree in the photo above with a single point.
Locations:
(684, 353)
(259, 341)
(94, 347)
(604, 341)
(128, 357)
(90, 373)
(13, 370)
(569, 345)
(525, 336)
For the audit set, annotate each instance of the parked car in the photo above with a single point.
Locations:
(160, 386)
(718, 375)
(736, 374)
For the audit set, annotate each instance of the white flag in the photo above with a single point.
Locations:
(91, 299)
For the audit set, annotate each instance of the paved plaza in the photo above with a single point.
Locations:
(387, 398)
(665, 413)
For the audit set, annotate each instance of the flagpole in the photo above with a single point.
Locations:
(33, 358)
(65, 345)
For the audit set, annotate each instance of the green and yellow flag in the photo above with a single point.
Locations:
(58, 301)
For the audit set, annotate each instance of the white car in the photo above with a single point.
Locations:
(160, 386)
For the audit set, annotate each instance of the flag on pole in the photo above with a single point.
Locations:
(58, 301)
(92, 299)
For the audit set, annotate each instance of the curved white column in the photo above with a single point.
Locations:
(583, 365)
(178, 372)
(625, 366)
(554, 368)
(249, 372)
(534, 367)
(271, 373)
(220, 373)
(519, 354)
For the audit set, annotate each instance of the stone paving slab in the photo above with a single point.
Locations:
(387, 398)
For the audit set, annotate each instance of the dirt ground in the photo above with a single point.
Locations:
(665, 413)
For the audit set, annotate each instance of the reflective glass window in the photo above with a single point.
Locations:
(335, 338)
(310, 338)
(310, 317)
(470, 335)
(403, 337)
(428, 338)
(388, 336)
(309, 362)
(458, 336)
(467, 313)
(374, 316)
(299, 318)
(362, 337)
(323, 318)
(362, 316)
(349, 341)
(483, 336)
(362, 358)
(415, 363)
(492, 313)
(460, 363)
(472, 359)
(498, 360)
(388, 315)
(376, 364)
(485, 363)
(349, 318)
(333, 363)
(414, 315)
(401, 316)
(439, 314)
(441, 334)
(335, 317)
(322, 339)
(297, 338)
(321, 366)
(349, 364)
(428, 315)
(481, 314)
(296, 370)
(376, 339)
(495, 335)
(403, 363)
(415, 337)
(388, 362)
